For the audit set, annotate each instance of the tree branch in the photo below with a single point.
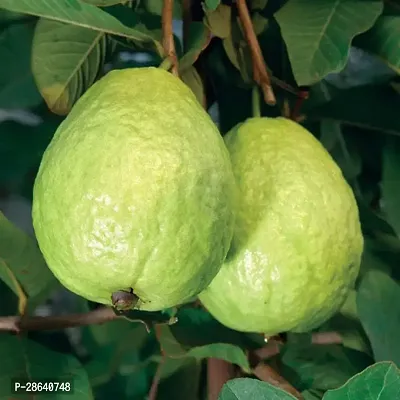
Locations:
(272, 348)
(326, 338)
(168, 35)
(18, 324)
(260, 72)
(302, 95)
(268, 374)
(218, 373)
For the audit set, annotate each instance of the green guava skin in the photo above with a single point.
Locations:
(297, 244)
(135, 191)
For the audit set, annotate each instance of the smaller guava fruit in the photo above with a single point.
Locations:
(132, 201)
(297, 244)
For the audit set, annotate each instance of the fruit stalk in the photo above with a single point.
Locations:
(168, 37)
(260, 73)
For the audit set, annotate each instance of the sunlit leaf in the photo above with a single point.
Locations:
(66, 60)
(380, 381)
(86, 16)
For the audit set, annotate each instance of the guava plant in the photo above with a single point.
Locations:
(173, 147)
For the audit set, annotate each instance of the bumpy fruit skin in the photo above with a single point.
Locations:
(297, 244)
(135, 191)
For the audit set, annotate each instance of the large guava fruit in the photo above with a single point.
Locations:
(134, 193)
(297, 243)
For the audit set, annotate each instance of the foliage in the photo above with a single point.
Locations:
(345, 55)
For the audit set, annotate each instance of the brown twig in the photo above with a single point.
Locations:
(156, 380)
(218, 373)
(271, 349)
(326, 338)
(268, 374)
(18, 324)
(273, 346)
(301, 96)
(260, 72)
(168, 35)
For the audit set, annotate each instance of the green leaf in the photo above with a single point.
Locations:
(211, 4)
(22, 358)
(112, 331)
(66, 60)
(318, 42)
(196, 327)
(312, 394)
(373, 222)
(156, 6)
(384, 40)
(180, 379)
(260, 23)
(135, 386)
(371, 261)
(198, 39)
(113, 351)
(391, 182)
(231, 51)
(321, 367)
(347, 324)
(8, 16)
(86, 16)
(17, 86)
(21, 149)
(349, 107)
(239, 53)
(22, 266)
(258, 4)
(104, 3)
(171, 347)
(380, 381)
(223, 351)
(192, 79)
(338, 145)
(248, 388)
(219, 21)
(377, 298)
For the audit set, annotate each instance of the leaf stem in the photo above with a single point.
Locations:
(255, 102)
(260, 73)
(301, 96)
(168, 35)
(166, 64)
(156, 380)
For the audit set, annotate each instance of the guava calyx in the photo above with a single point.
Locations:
(124, 300)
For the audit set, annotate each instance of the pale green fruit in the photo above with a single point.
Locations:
(135, 191)
(297, 244)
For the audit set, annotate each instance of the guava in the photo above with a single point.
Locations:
(132, 203)
(297, 243)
